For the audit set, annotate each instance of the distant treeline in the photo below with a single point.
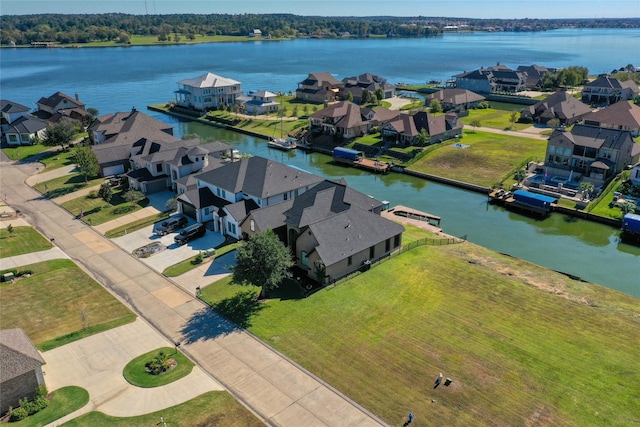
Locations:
(73, 29)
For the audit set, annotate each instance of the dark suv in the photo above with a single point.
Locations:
(190, 233)
(171, 224)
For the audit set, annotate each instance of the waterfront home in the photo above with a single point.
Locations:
(59, 105)
(343, 120)
(255, 33)
(494, 79)
(456, 100)
(366, 82)
(206, 92)
(534, 75)
(227, 193)
(607, 90)
(405, 129)
(594, 152)
(559, 105)
(24, 130)
(261, 102)
(10, 112)
(319, 87)
(20, 368)
(624, 115)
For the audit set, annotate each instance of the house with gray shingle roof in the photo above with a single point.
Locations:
(607, 90)
(319, 87)
(455, 99)
(366, 82)
(623, 115)
(344, 120)
(496, 79)
(23, 130)
(560, 105)
(405, 128)
(20, 368)
(59, 106)
(11, 111)
(261, 102)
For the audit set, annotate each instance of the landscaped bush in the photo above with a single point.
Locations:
(27, 407)
(482, 105)
(160, 364)
(17, 414)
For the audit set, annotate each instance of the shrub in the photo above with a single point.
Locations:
(198, 258)
(24, 273)
(93, 194)
(160, 364)
(482, 105)
(17, 414)
(10, 229)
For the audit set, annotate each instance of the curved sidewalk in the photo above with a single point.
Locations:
(274, 387)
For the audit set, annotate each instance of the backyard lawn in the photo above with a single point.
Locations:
(499, 117)
(22, 240)
(58, 304)
(523, 345)
(489, 158)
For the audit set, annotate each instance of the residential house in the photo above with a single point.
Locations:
(457, 100)
(343, 119)
(255, 33)
(595, 152)
(559, 105)
(11, 111)
(61, 105)
(116, 137)
(405, 129)
(366, 82)
(261, 102)
(635, 174)
(227, 193)
(492, 80)
(20, 368)
(534, 75)
(333, 230)
(24, 129)
(607, 90)
(319, 87)
(206, 92)
(624, 115)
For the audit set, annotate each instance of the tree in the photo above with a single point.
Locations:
(59, 134)
(105, 192)
(262, 261)
(349, 97)
(379, 95)
(86, 161)
(628, 206)
(171, 204)
(475, 123)
(520, 175)
(435, 106)
(134, 196)
(513, 119)
(93, 114)
(553, 123)
(365, 97)
(587, 189)
(423, 138)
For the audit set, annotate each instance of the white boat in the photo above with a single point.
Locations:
(282, 143)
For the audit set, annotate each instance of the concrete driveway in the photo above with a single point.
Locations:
(96, 363)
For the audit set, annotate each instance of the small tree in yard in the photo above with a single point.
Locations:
(435, 106)
(105, 192)
(171, 204)
(513, 119)
(475, 123)
(553, 123)
(262, 261)
(134, 196)
(86, 162)
(59, 134)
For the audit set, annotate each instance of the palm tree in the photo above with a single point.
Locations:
(587, 189)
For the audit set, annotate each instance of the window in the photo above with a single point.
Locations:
(252, 225)
(13, 138)
(349, 260)
(387, 245)
(218, 192)
(25, 137)
(159, 167)
(207, 211)
(372, 251)
(231, 227)
(396, 241)
(286, 196)
(304, 258)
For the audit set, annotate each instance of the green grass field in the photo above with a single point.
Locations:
(499, 116)
(216, 408)
(135, 371)
(489, 158)
(523, 345)
(97, 211)
(65, 184)
(49, 305)
(136, 225)
(22, 240)
(63, 401)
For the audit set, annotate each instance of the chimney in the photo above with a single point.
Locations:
(133, 110)
(77, 97)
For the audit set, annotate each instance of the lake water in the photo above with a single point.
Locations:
(116, 79)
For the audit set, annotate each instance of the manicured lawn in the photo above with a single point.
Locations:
(189, 264)
(489, 159)
(522, 344)
(135, 372)
(51, 304)
(23, 151)
(57, 159)
(23, 240)
(97, 211)
(63, 401)
(495, 118)
(136, 225)
(216, 408)
(65, 184)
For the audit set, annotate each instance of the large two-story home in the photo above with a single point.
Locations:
(624, 115)
(607, 90)
(261, 102)
(534, 75)
(332, 230)
(61, 106)
(456, 100)
(10, 112)
(559, 105)
(206, 92)
(595, 152)
(492, 80)
(366, 82)
(319, 87)
(226, 194)
(405, 128)
(344, 120)
(18, 126)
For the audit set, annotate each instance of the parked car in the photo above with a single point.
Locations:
(171, 224)
(190, 233)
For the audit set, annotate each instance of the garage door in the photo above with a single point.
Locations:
(189, 210)
(113, 170)
(155, 186)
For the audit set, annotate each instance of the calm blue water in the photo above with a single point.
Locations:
(116, 79)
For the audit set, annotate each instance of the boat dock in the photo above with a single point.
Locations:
(417, 215)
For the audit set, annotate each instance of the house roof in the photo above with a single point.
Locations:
(18, 355)
(26, 124)
(611, 83)
(241, 209)
(202, 197)
(455, 96)
(264, 94)
(258, 177)
(345, 114)
(209, 80)
(57, 98)
(320, 79)
(559, 104)
(216, 146)
(436, 125)
(270, 217)
(11, 107)
(596, 137)
(623, 113)
(131, 126)
(404, 124)
(350, 232)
